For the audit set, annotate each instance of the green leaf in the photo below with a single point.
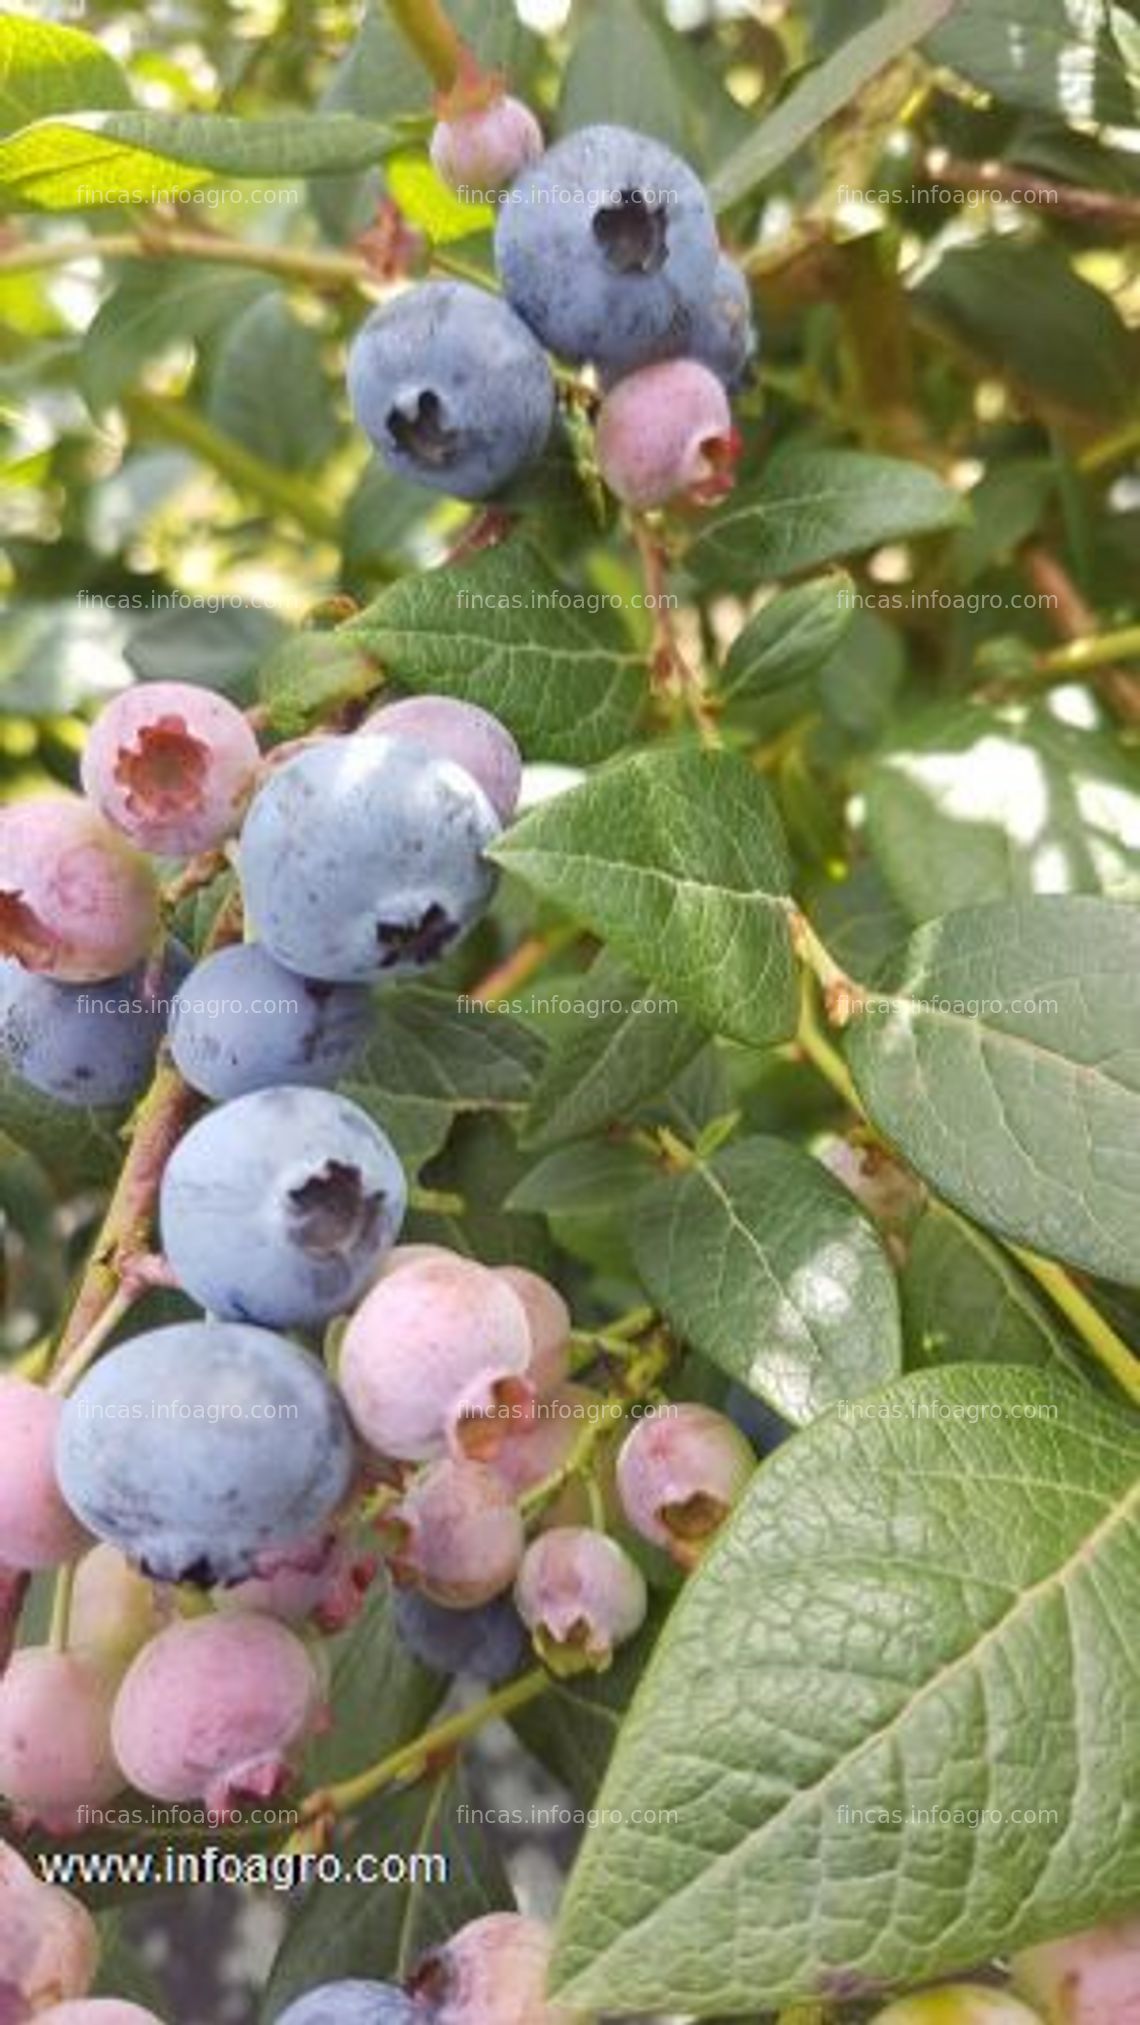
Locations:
(156, 305)
(676, 858)
(975, 802)
(428, 203)
(812, 505)
(46, 67)
(123, 1973)
(586, 1194)
(768, 679)
(379, 1930)
(767, 1265)
(78, 1148)
(313, 674)
(823, 93)
(1026, 312)
(267, 349)
(139, 158)
(1044, 54)
(629, 68)
(431, 1057)
(964, 1301)
(503, 632)
(859, 920)
(219, 649)
(1001, 1054)
(930, 1610)
(625, 1045)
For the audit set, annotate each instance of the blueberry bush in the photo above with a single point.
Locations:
(569, 1016)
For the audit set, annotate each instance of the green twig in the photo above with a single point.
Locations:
(61, 1607)
(434, 38)
(1096, 650)
(1110, 1350)
(246, 472)
(413, 1759)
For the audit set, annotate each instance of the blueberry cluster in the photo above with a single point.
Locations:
(607, 252)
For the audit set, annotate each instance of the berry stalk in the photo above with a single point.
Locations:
(434, 38)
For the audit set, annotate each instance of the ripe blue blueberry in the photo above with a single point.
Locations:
(607, 247)
(353, 2002)
(86, 1043)
(363, 859)
(195, 1448)
(243, 1022)
(490, 1643)
(278, 1208)
(723, 334)
(451, 388)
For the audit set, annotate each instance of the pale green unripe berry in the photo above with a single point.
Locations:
(958, 2004)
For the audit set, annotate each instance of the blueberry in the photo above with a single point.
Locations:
(197, 1447)
(87, 1044)
(278, 1207)
(581, 1595)
(722, 335)
(492, 1972)
(679, 1474)
(214, 1709)
(1090, 1978)
(482, 149)
(242, 1022)
(451, 388)
(77, 903)
(353, 2003)
(764, 1428)
(474, 739)
(489, 1643)
(362, 859)
(456, 1534)
(607, 248)
(666, 432)
(172, 766)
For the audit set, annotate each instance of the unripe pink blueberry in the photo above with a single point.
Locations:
(1091, 1978)
(487, 148)
(534, 1449)
(321, 1580)
(666, 432)
(549, 1320)
(172, 766)
(436, 1355)
(457, 1535)
(462, 732)
(49, 1946)
(580, 1595)
(213, 1709)
(37, 1529)
(959, 2004)
(99, 2011)
(493, 1969)
(76, 902)
(679, 1474)
(114, 1609)
(55, 1735)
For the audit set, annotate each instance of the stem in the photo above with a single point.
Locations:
(159, 1122)
(412, 1760)
(503, 981)
(61, 1607)
(87, 1349)
(1073, 619)
(1064, 200)
(291, 263)
(812, 1042)
(436, 1201)
(1110, 449)
(1098, 650)
(671, 673)
(247, 473)
(1109, 1349)
(433, 37)
(841, 995)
